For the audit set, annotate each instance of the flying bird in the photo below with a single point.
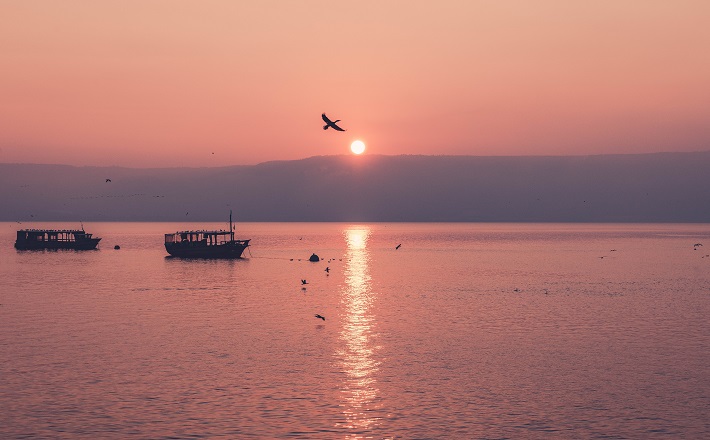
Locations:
(397, 247)
(320, 317)
(108, 180)
(331, 124)
(304, 282)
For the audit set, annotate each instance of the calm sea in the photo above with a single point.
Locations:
(466, 331)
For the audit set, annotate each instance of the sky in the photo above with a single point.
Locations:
(214, 83)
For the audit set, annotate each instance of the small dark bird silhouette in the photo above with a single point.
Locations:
(398, 246)
(320, 317)
(304, 282)
(331, 124)
(327, 269)
(695, 246)
(187, 213)
(108, 180)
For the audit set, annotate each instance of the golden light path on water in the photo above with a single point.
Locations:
(358, 359)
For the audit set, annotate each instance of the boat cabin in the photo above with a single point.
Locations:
(200, 238)
(52, 235)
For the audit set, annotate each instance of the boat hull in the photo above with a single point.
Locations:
(81, 245)
(191, 250)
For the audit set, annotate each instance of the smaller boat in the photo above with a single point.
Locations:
(205, 244)
(76, 239)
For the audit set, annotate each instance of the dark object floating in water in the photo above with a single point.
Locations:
(314, 258)
(77, 239)
(320, 317)
(205, 244)
(117, 247)
(330, 124)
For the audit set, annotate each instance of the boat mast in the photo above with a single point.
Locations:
(231, 229)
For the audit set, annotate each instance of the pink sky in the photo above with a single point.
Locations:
(167, 83)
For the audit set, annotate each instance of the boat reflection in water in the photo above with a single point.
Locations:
(357, 355)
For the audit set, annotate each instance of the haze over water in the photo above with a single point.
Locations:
(466, 331)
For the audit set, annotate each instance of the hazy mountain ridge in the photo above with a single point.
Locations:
(663, 187)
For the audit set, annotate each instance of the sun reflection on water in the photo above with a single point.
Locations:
(357, 355)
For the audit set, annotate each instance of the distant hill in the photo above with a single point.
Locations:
(664, 187)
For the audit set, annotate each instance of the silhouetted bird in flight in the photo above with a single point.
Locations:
(331, 124)
(108, 180)
(695, 246)
(304, 282)
(398, 246)
(320, 317)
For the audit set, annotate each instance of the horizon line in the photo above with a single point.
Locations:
(365, 156)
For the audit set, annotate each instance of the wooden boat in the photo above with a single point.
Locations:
(77, 239)
(205, 244)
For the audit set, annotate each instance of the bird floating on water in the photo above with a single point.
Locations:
(330, 124)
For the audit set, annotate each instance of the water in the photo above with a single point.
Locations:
(466, 331)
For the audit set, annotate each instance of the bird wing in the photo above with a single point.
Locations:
(325, 118)
(335, 126)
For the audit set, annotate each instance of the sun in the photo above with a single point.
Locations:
(357, 147)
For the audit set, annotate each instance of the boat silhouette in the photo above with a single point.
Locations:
(205, 244)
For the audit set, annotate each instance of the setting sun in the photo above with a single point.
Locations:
(357, 147)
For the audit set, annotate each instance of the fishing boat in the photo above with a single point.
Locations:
(205, 244)
(76, 239)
